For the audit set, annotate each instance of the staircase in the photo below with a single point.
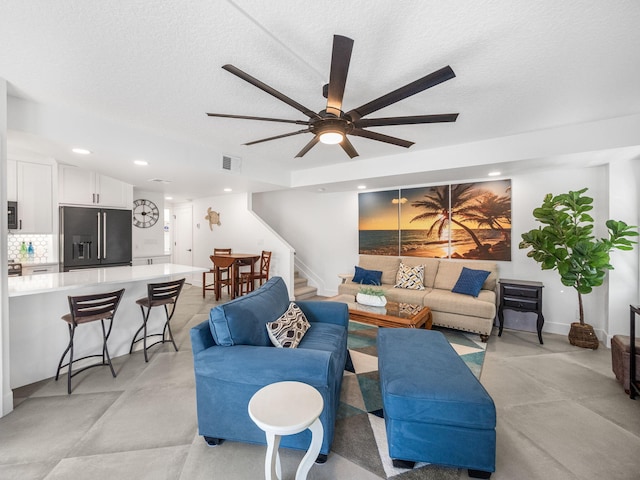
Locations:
(301, 289)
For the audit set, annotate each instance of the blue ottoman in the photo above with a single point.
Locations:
(435, 410)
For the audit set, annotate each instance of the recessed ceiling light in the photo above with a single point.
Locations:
(141, 162)
(168, 198)
(228, 190)
(361, 187)
(81, 151)
(321, 189)
(494, 174)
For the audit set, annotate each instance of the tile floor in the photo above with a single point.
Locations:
(561, 415)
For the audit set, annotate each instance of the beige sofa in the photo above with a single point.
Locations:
(451, 310)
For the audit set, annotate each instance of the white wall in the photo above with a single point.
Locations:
(323, 228)
(6, 395)
(624, 179)
(149, 242)
(240, 230)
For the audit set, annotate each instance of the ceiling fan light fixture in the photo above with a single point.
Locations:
(331, 137)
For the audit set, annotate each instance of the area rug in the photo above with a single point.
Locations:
(360, 432)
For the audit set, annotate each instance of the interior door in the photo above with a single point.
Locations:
(183, 236)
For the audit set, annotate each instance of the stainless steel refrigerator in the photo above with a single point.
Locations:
(94, 237)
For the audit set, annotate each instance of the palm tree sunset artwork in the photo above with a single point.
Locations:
(467, 220)
(378, 222)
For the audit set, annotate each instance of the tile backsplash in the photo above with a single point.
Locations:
(42, 248)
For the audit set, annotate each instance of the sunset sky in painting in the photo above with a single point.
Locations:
(378, 210)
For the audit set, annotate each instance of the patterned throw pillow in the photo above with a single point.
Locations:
(411, 278)
(288, 330)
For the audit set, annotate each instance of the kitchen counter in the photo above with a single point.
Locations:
(37, 335)
(55, 282)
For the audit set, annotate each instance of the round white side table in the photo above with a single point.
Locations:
(287, 408)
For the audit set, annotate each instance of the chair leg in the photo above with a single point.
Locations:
(144, 326)
(133, 341)
(69, 365)
(143, 329)
(168, 326)
(105, 350)
(69, 374)
(64, 354)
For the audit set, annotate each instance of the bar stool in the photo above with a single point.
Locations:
(86, 309)
(158, 294)
(226, 279)
(248, 279)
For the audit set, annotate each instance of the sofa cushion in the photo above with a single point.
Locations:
(329, 338)
(410, 277)
(483, 306)
(288, 330)
(449, 272)
(470, 281)
(367, 277)
(387, 265)
(430, 268)
(241, 321)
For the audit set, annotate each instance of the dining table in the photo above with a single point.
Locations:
(235, 261)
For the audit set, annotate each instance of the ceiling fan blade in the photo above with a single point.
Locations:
(278, 136)
(340, 58)
(266, 119)
(308, 147)
(348, 147)
(381, 122)
(270, 90)
(428, 81)
(380, 137)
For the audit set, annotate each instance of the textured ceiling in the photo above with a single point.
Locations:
(154, 66)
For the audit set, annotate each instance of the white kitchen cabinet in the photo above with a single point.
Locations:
(31, 185)
(39, 269)
(12, 181)
(137, 261)
(84, 187)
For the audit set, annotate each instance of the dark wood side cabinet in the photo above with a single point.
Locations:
(522, 296)
(634, 385)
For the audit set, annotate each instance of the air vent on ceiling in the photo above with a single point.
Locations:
(159, 180)
(231, 164)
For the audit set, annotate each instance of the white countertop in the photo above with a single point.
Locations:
(53, 282)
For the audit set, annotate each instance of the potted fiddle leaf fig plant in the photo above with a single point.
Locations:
(566, 243)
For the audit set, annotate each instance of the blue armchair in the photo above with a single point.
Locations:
(233, 358)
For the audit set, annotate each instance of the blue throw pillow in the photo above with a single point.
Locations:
(470, 281)
(367, 277)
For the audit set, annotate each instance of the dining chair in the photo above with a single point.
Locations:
(225, 274)
(247, 279)
(85, 309)
(222, 265)
(163, 294)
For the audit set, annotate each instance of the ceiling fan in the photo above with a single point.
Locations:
(332, 125)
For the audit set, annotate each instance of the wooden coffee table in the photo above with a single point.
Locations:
(393, 314)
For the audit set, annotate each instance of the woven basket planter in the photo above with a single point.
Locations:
(583, 336)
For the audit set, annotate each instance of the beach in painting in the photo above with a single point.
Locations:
(417, 243)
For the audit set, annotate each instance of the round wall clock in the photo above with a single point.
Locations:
(145, 213)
